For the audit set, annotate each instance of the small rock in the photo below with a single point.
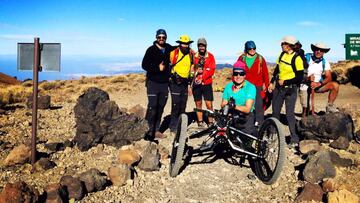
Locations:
(340, 143)
(151, 158)
(55, 146)
(119, 175)
(311, 192)
(55, 193)
(93, 179)
(164, 152)
(19, 155)
(19, 192)
(44, 164)
(73, 186)
(307, 146)
(43, 102)
(128, 157)
(68, 143)
(329, 185)
(340, 196)
(319, 167)
(138, 110)
(338, 161)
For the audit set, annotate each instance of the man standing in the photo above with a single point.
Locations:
(201, 84)
(258, 75)
(319, 78)
(181, 60)
(156, 64)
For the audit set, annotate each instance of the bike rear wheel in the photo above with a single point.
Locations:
(179, 144)
(272, 149)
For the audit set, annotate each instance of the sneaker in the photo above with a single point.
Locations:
(331, 108)
(159, 135)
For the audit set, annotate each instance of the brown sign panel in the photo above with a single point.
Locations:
(49, 56)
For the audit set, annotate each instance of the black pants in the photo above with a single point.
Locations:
(245, 123)
(259, 110)
(288, 95)
(179, 95)
(157, 94)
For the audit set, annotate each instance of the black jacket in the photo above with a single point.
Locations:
(151, 61)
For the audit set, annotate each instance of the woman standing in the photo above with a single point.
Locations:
(287, 76)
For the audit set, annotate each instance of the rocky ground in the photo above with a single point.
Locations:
(211, 182)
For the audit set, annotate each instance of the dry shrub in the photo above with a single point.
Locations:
(27, 83)
(119, 79)
(14, 94)
(50, 85)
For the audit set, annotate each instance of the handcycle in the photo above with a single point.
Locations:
(266, 151)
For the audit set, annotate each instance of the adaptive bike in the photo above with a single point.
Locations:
(265, 151)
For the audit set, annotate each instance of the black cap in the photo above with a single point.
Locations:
(160, 32)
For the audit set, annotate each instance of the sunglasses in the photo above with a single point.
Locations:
(319, 50)
(160, 37)
(251, 49)
(239, 73)
(284, 43)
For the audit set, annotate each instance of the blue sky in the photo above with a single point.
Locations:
(127, 28)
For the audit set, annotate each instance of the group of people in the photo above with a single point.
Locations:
(186, 72)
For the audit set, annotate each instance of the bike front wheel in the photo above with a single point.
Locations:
(179, 144)
(271, 148)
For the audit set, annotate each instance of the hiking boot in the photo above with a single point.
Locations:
(159, 135)
(331, 108)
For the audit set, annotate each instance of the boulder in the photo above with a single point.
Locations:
(99, 120)
(55, 193)
(94, 180)
(74, 187)
(43, 102)
(119, 175)
(310, 192)
(340, 143)
(327, 127)
(128, 156)
(19, 192)
(319, 167)
(19, 155)
(341, 196)
(150, 158)
(308, 146)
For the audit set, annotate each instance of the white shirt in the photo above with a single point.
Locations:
(317, 70)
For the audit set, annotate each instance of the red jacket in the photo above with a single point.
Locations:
(209, 67)
(257, 75)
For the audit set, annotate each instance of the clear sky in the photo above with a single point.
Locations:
(114, 28)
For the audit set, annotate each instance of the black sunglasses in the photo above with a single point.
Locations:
(284, 43)
(160, 37)
(239, 73)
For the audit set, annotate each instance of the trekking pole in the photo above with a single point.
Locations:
(312, 101)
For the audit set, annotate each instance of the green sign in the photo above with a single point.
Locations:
(352, 46)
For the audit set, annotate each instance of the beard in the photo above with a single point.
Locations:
(184, 50)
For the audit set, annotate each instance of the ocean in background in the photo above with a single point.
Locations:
(73, 67)
(76, 66)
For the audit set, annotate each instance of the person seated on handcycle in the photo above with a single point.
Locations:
(244, 94)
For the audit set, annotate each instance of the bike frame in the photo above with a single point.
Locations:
(216, 131)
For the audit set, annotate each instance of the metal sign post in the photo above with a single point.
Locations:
(35, 99)
(37, 57)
